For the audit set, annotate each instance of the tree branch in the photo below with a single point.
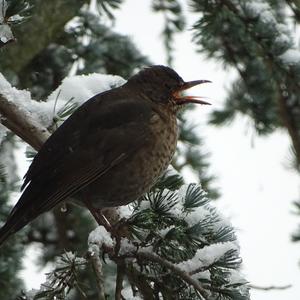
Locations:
(94, 257)
(270, 288)
(180, 273)
(119, 281)
(48, 18)
(19, 121)
(287, 113)
(138, 280)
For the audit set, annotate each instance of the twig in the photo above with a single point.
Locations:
(94, 257)
(138, 280)
(119, 281)
(270, 288)
(22, 124)
(182, 274)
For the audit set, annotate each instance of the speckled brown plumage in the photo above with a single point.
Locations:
(110, 151)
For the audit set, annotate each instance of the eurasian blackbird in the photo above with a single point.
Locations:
(110, 151)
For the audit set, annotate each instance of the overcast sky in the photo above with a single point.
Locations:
(257, 188)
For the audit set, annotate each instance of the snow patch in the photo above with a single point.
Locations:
(291, 57)
(76, 88)
(99, 236)
(128, 294)
(207, 256)
(126, 246)
(82, 87)
(125, 211)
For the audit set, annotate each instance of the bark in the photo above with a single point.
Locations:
(44, 26)
(22, 124)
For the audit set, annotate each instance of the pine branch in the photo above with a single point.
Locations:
(139, 280)
(287, 114)
(183, 275)
(257, 35)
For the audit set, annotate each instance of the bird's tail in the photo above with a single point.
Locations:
(4, 233)
(12, 225)
(20, 216)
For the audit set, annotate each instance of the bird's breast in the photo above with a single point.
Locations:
(137, 174)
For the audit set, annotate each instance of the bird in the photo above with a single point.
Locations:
(110, 151)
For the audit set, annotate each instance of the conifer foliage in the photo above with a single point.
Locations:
(175, 246)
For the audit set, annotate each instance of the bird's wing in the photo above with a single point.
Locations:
(99, 135)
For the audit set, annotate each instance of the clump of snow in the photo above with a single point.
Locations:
(283, 36)
(146, 249)
(207, 256)
(171, 171)
(205, 275)
(125, 211)
(253, 9)
(291, 57)
(99, 236)
(198, 213)
(22, 98)
(82, 87)
(65, 259)
(145, 204)
(76, 88)
(236, 277)
(128, 294)
(164, 231)
(5, 33)
(11, 93)
(126, 246)
(30, 295)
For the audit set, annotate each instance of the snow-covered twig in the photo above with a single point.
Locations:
(94, 257)
(22, 124)
(98, 238)
(183, 275)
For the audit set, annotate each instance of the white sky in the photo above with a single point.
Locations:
(257, 190)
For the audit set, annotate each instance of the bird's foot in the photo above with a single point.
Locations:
(121, 228)
(99, 217)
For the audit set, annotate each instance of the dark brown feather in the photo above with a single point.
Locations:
(82, 150)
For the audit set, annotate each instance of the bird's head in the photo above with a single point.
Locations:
(164, 86)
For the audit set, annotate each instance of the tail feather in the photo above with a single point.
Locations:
(9, 228)
(4, 234)
(19, 217)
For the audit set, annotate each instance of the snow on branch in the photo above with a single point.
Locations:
(175, 239)
(163, 251)
(32, 120)
(17, 118)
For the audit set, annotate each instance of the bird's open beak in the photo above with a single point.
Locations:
(183, 99)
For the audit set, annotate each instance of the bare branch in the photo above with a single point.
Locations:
(270, 288)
